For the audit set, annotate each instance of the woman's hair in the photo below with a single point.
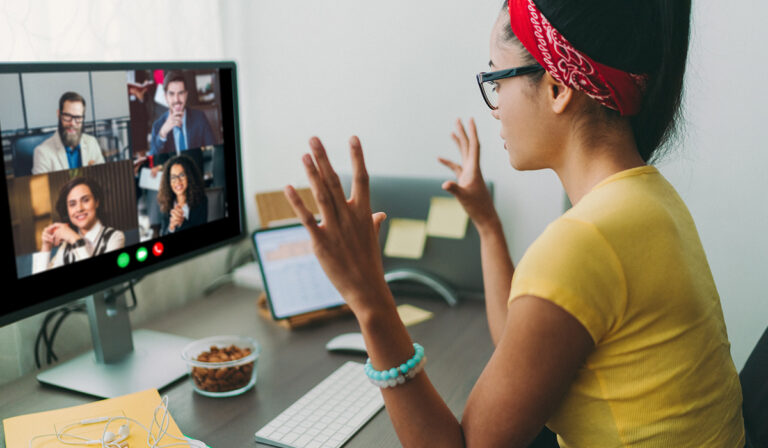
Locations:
(649, 37)
(195, 186)
(61, 202)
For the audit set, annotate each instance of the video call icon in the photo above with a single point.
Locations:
(141, 254)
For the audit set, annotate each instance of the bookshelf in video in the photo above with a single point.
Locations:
(96, 161)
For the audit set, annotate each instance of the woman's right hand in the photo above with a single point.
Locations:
(469, 187)
(50, 238)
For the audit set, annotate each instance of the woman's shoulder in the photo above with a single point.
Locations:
(643, 199)
(111, 232)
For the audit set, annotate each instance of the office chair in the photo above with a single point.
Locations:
(754, 388)
(23, 149)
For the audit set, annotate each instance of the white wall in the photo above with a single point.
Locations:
(398, 74)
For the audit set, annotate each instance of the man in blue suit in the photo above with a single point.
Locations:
(180, 128)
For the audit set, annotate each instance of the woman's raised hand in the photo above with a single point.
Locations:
(346, 239)
(469, 187)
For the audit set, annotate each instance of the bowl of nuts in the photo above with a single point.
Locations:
(222, 366)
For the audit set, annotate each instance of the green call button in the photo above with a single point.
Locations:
(123, 260)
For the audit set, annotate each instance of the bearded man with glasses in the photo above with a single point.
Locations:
(69, 147)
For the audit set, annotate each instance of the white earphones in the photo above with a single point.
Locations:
(111, 440)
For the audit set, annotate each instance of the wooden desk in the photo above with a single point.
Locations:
(456, 341)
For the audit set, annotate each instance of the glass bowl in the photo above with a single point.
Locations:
(222, 366)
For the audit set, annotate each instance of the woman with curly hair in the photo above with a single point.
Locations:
(79, 233)
(182, 196)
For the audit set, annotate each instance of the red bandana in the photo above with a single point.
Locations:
(613, 88)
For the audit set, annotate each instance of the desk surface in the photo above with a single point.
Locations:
(456, 341)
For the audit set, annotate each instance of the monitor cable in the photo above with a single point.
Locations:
(46, 338)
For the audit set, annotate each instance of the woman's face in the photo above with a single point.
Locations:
(178, 179)
(520, 106)
(82, 207)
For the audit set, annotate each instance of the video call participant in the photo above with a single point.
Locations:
(69, 147)
(182, 196)
(80, 234)
(180, 128)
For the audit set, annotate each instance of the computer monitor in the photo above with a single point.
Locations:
(113, 171)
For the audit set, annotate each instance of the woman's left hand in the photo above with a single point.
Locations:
(346, 240)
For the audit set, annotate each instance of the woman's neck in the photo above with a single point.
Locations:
(84, 230)
(181, 199)
(585, 162)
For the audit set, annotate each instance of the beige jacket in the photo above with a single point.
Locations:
(52, 156)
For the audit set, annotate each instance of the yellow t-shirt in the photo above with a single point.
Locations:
(628, 264)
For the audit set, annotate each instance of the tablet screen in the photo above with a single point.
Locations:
(294, 281)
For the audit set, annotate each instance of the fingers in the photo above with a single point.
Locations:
(47, 239)
(474, 145)
(461, 136)
(378, 218)
(327, 172)
(320, 191)
(455, 167)
(452, 187)
(306, 217)
(360, 180)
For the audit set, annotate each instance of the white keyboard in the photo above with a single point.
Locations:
(329, 414)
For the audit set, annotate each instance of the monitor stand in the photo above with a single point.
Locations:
(121, 362)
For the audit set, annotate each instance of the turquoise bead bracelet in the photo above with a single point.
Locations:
(398, 374)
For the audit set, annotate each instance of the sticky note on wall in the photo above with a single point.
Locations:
(406, 238)
(447, 218)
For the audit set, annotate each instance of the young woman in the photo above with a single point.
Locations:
(79, 234)
(609, 330)
(182, 196)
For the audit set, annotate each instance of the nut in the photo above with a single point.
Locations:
(225, 378)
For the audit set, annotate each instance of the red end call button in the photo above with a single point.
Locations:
(157, 249)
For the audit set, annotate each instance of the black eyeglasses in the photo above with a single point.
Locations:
(68, 118)
(488, 85)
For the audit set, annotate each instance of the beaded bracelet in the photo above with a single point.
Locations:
(400, 374)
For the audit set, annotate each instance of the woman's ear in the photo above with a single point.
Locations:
(559, 96)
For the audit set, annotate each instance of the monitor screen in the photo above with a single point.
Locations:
(112, 170)
(294, 281)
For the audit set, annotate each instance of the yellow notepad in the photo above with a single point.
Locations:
(140, 406)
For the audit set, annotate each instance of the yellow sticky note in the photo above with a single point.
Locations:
(406, 238)
(411, 315)
(447, 218)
